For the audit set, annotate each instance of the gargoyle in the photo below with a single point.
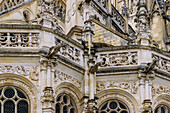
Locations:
(94, 68)
(54, 49)
(149, 66)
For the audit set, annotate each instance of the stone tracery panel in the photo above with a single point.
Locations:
(119, 59)
(19, 39)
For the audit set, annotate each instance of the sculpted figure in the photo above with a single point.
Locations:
(54, 49)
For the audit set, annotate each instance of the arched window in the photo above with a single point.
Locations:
(13, 100)
(162, 109)
(113, 106)
(65, 104)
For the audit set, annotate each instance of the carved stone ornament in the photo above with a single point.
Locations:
(19, 39)
(157, 89)
(130, 86)
(69, 52)
(34, 74)
(119, 59)
(20, 70)
(47, 98)
(63, 77)
(162, 63)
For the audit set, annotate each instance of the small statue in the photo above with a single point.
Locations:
(54, 49)
(94, 68)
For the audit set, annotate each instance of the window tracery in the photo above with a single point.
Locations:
(65, 104)
(13, 100)
(113, 106)
(162, 109)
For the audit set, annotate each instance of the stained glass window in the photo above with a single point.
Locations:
(65, 104)
(113, 106)
(13, 100)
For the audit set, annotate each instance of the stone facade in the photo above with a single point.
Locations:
(91, 56)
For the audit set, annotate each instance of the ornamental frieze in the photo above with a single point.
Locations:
(119, 59)
(158, 89)
(63, 77)
(130, 86)
(163, 63)
(30, 71)
(21, 70)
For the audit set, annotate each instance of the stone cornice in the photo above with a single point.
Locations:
(40, 27)
(117, 48)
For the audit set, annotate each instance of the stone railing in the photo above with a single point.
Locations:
(6, 4)
(163, 63)
(19, 39)
(118, 59)
(69, 52)
(118, 19)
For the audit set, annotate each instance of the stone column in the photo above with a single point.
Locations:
(145, 91)
(47, 96)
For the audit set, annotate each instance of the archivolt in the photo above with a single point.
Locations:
(23, 83)
(121, 95)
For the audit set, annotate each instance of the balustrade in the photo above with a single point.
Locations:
(19, 39)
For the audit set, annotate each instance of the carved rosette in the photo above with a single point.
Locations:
(132, 87)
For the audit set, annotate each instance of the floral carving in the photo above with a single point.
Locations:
(118, 59)
(163, 63)
(19, 39)
(14, 69)
(160, 90)
(131, 86)
(69, 52)
(61, 76)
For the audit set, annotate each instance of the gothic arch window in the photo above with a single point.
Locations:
(113, 106)
(65, 104)
(13, 100)
(162, 109)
